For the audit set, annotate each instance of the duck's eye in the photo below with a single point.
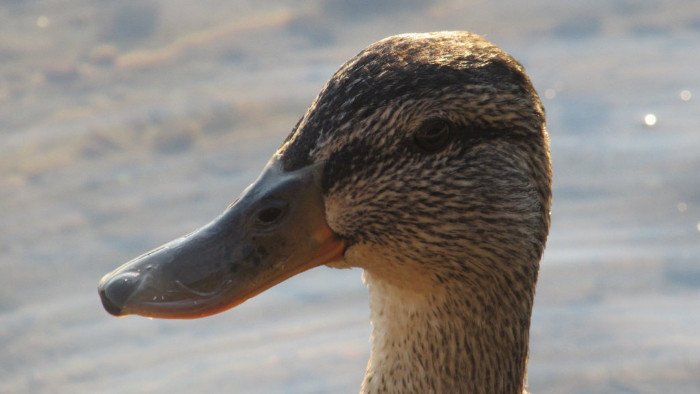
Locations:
(433, 135)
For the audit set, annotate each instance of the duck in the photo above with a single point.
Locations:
(424, 161)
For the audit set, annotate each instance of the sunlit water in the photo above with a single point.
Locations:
(113, 143)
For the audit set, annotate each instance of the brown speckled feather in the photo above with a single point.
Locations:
(451, 239)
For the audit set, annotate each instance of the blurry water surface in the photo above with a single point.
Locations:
(126, 124)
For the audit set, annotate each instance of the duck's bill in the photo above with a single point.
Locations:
(276, 229)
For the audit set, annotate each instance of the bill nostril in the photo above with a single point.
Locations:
(269, 215)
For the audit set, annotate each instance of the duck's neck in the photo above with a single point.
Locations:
(454, 339)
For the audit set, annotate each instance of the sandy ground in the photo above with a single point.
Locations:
(127, 124)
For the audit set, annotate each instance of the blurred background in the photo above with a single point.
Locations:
(126, 124)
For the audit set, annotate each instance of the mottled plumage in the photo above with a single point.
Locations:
(451, 240)
(424, 160)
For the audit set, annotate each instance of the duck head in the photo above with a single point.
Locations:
(423, 160)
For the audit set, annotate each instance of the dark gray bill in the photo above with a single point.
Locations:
(275, 230)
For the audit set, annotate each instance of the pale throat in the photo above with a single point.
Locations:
(443, 340)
